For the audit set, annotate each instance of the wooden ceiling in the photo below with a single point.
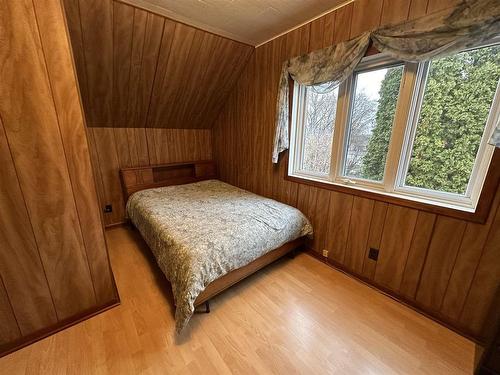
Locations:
(137, 69)
(250, 21)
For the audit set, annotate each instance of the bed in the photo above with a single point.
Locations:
(206, 235)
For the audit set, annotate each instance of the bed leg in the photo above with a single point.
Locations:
(291, 254)
(207, 307)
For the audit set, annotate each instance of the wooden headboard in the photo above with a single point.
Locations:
(151, 176)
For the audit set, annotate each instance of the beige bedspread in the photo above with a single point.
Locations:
(199, 232)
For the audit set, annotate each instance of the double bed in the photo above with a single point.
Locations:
(205, 234)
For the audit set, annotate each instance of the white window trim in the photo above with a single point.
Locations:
(400, 146)
(369, 63)
(297, 136)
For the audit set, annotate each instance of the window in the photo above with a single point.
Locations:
(415, 131)
(371, 115)
(320, 106)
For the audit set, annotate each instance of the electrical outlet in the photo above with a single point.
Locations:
(325, 253)
(373, 253)
(108, 208)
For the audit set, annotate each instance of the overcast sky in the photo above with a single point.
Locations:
(370, 82)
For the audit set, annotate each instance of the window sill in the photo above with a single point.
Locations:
(480, 215)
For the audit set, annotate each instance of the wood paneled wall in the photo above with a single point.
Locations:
(54, 266)
(137, 69)
(446, 267)
(115, 148)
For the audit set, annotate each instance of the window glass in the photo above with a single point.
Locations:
(370, 122)
(319, 120)
(439, 151)
(456, 101)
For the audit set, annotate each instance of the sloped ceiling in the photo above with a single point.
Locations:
(249, 21)
(139, 69)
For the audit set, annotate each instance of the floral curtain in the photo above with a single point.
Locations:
(439, 34)
(332, 64)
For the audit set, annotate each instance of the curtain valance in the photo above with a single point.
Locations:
(436, 35)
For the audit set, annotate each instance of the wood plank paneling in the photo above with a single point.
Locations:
(343, 21)
(9, 330)
(72, 10)
(96, 20)
(136, 56)
(138, 69)
(416, 256)
(109, 166)
(40, 161)
(26, 281)
(436, 6)
(155, 28)
(115, 148)
(418, 9)
(440, 261)
(468, 257)
(375, 236)
(418, 250)
(365, 16)
(483, 293)
(359, 229)
(317, 34)
(73, 135)
(54, 268)
(123, 35)
(395, 245)
(394, 11)
(328, 29)
(171, 73)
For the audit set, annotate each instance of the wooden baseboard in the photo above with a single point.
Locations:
(389, 293)
(120, 223)
(63, 324)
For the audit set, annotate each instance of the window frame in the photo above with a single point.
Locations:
(370, 63)
(391, 189)
(297, 137)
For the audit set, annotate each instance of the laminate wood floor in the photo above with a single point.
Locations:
(295, 316)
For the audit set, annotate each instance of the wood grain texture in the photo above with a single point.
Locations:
(116, 148)
(53, 259)
(9, 329)
(321, 214)
(436, 6)
(338, 225)
(47, 191)
(483, 293)
(418, 8)
(420, 250)
(473, 242)
(379, 215)
(417, 254)
(395, 245)
(441, 257)
(155, 28)
(221, 284)
(20, 264)
(359, 229)
(149, 177)
(365, 16)
(395, 11)
(138, 69)
(72, 11)
(64, 87)
(96, 20)
(294, 306)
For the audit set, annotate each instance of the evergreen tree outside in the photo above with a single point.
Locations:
(457, 100)
(376, 152)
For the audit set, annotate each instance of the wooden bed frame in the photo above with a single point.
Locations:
(151, 176)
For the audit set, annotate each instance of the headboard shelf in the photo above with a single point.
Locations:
(152, 176)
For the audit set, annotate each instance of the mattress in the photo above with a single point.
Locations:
(201, 231)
